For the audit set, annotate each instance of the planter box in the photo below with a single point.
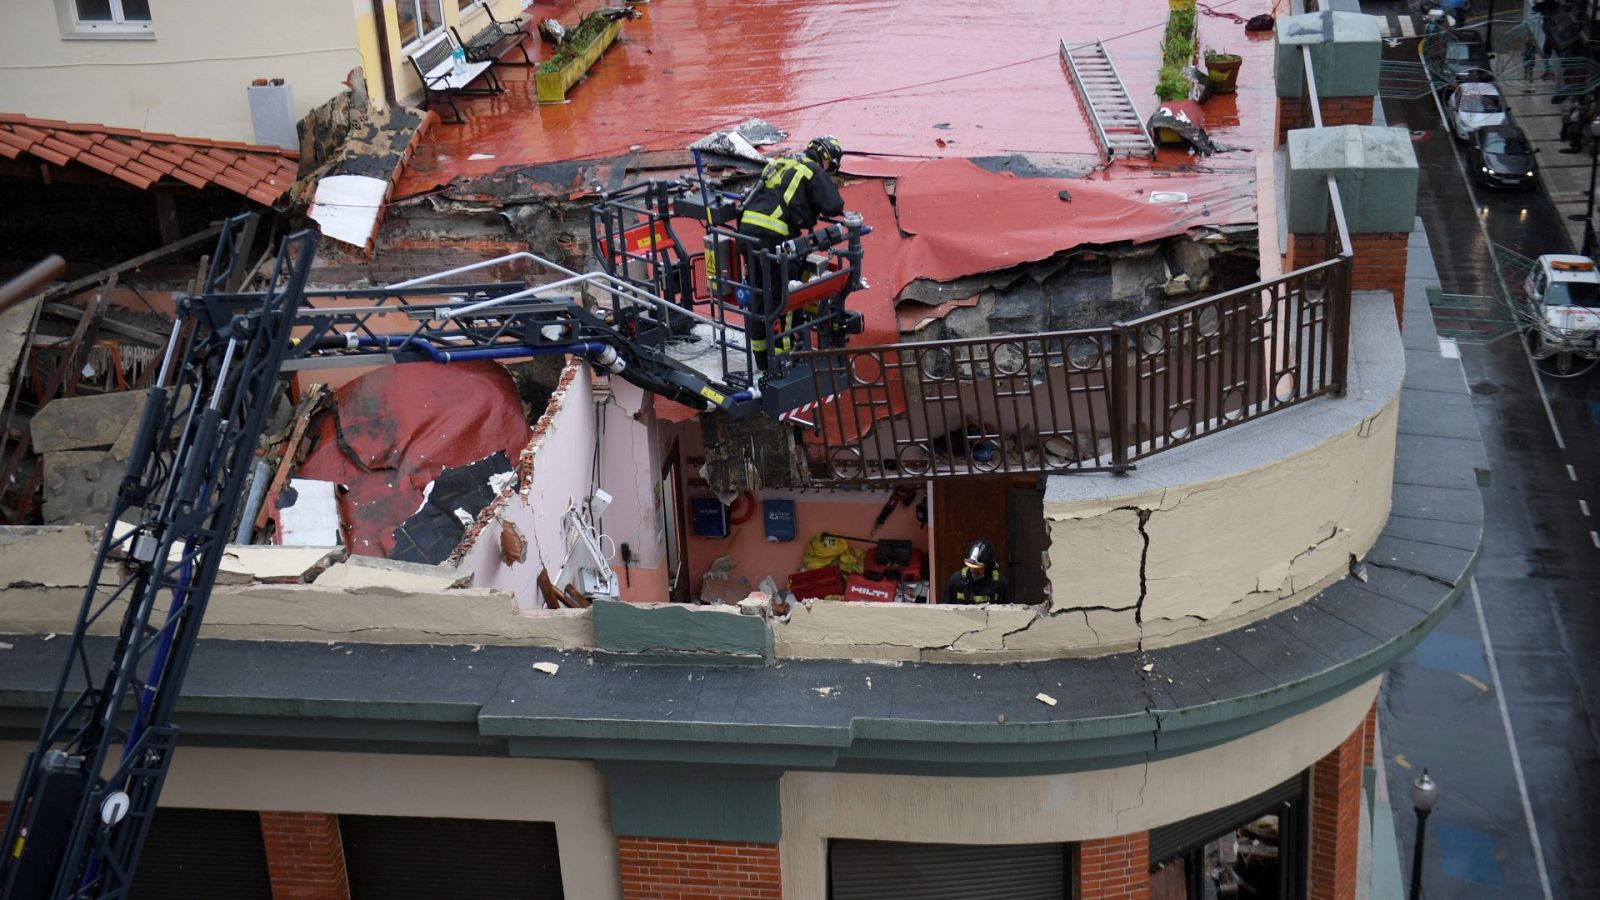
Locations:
(553, 86)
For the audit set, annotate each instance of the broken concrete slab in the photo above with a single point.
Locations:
(79, 486)
(47, 555)
(363, 573)
(838, 630)
(270, 564)
(80, 423)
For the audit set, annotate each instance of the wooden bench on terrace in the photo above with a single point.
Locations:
(494, 39)
(441, 79)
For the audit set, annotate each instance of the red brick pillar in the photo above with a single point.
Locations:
(656, 868)
(305, 856)
(1379, 264)
(1336, 820)
(1369, 741)
(1114, 868)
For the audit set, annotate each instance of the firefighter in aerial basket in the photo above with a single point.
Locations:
(977, 581)
(792, 193)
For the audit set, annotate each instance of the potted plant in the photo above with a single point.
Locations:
(571, 60)
(1222, 71)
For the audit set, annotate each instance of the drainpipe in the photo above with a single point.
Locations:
(382, 24)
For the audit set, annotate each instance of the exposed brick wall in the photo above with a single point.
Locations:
(1380, 262)
(1114, 868)
(1335, 111)
(684, 869)
(1335, 820)
(305, 856)
(1369, 736)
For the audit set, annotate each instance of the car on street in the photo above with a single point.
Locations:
(1465, 57)
(1563, 306)
(1501, 156)
(1475, 105)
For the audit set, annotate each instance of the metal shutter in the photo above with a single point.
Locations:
(203, 853)
(401, 858)
(880, 870)
(1171, 841)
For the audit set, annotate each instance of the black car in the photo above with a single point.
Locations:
(1502, 157)
(1466, 57)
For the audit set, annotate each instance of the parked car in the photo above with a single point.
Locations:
(1466, 57)
(1501, 156)
(1563, 303)
(1475, 105)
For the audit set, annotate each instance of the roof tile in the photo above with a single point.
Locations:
(190, 178)
(140, 168)
(139, 181)
(141, 158)
(95, 162)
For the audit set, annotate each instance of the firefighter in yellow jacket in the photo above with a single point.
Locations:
(793, 192)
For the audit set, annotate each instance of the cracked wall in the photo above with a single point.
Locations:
(1186, 560)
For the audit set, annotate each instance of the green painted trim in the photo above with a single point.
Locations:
(680, 633)
(714, 804)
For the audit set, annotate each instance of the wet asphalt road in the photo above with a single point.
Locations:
(1520, 654)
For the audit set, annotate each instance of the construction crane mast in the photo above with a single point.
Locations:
(89, 790)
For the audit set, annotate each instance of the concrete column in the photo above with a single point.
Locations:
(1114, 868)
(1336, 819)
(1345, 51)
(655, 868)
(1376, 170)
(305, 856)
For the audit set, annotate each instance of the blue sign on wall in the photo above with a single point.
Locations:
(710, 517)
(779, 516)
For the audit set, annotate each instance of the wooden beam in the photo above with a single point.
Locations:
(88, 281)
(142, 335)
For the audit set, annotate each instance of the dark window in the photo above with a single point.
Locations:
(883, 870)
(203, 853)
(404, 858)
(1495, 142)
(1572, 293)
(1255, 848)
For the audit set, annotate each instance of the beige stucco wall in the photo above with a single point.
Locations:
(188, 77)
(818, 806)
(570, 794)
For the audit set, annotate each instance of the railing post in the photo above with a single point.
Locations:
(1339, 295)
(1117, 404)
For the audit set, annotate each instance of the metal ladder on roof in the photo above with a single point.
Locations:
(1117, 124)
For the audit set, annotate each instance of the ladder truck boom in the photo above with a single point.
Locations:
(89, 789)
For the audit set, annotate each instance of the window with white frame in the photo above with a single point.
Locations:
(111, 16)
(418, 19)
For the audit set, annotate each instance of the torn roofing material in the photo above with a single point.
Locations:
(395, 429)
(142, 159)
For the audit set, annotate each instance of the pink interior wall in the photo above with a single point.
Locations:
(562, 452)
(630, 466)
(755, 557)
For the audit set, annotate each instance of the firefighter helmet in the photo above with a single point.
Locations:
(827, 151)
(980, 555)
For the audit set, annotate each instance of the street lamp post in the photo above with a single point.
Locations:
(1424, 794)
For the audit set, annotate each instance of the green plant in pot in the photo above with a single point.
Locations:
(1222, 71)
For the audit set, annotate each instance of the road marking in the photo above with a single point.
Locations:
(1571, 472)
(1483, 229)
(1594, 537)
(1511, 740)
(1584, 505)
(1407, 27)
(1449, 349)
(1401, 761)
(1473, 681)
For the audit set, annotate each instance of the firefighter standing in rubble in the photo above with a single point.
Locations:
(792, 193)
(977, 581)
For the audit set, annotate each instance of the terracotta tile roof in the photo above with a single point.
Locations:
(263, 174)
